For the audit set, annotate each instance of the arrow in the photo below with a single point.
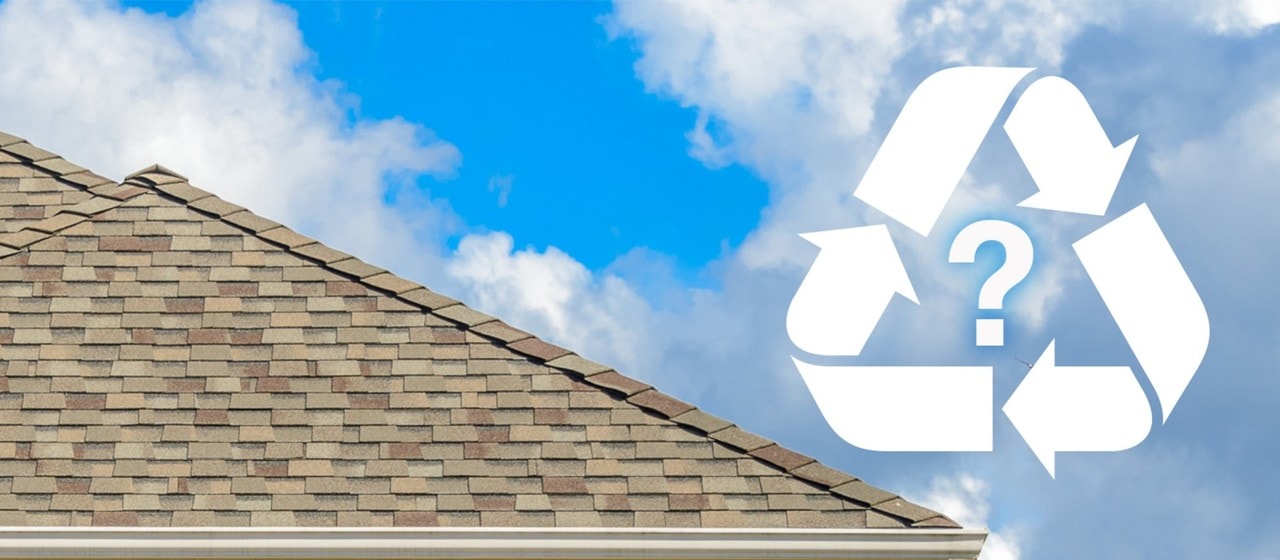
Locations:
(910, 408)
(1151, 298)
(1065, 148)
(846, 290)
(927, 150)
(1078, 409)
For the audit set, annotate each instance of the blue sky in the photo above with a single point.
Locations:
(539, 93)
(628, 180)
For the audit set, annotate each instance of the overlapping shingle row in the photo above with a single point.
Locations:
(170, 358)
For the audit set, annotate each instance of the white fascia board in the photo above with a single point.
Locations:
(483, 542)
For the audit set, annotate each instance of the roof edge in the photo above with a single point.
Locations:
(173, 186)
(531, 542)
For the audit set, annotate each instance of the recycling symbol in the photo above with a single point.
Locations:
(1129, 261)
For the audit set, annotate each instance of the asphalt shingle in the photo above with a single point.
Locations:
(171, 359)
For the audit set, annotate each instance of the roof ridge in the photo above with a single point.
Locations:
(173, 186)
(157, 169)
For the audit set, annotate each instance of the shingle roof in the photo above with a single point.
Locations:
(172, 359)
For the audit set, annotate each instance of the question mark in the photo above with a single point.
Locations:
(1017, 263)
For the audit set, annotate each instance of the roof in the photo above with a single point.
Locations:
(172, 359)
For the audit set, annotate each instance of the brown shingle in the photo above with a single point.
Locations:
(659, 402)
(863, 492)
(173, 359)
(538, 349)
(58, 166)
(740, 438)
(7, 139)
(618, 382)
(781, 457)
(501, 331)
(578, 364)
(29, 152)
(464, 315)
(182, 190)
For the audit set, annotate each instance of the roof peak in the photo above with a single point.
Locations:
(156, 169)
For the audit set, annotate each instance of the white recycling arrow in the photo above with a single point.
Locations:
(930, 145)
(1151, 298)
(1065, 148)
(846, 290)
(1058, 408)
(905, 408)
(911, 179)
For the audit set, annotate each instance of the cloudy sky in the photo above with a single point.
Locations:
(629, 180)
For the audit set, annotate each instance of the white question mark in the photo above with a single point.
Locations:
(1017, 263)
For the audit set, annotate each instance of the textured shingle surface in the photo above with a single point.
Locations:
(170, 359)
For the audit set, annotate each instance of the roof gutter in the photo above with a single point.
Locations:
(481, 542)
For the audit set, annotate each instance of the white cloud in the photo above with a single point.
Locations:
(552, 294)
(965, 499)
(740, 57)
(700, 345)
(1240, 16)
(1219, 197)
(770, 72)
(801, 93)
(225, 95)
(792, 89)
(1004, 32)
(502, 184)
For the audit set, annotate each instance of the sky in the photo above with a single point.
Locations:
(629, 180)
